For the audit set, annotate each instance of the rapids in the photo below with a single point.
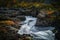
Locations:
(38, 33)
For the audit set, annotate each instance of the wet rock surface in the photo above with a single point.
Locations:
(15, 17)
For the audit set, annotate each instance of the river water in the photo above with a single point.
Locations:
(38, 33)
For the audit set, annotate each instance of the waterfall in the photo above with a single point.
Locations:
(38, 33)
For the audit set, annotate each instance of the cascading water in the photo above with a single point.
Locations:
(38, 33)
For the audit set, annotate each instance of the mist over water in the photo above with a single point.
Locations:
(38, 33)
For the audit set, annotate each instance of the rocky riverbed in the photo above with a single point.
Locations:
(11, 21)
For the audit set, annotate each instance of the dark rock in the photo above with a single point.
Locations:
(26, 37)
(45, 22)
(42, 22)
(6, 34)
(21, 18)
(57, 36)
(45, 19)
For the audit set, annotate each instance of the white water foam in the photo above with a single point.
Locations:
(38, 33)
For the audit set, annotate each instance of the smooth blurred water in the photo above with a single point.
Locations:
(38, 33)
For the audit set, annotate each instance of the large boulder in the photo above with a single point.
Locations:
(45, 18)
(7, 34)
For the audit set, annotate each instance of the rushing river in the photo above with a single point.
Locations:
(38, 33)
